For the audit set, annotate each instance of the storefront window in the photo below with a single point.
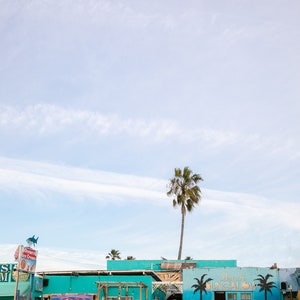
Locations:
(231, 296)
(245, 296)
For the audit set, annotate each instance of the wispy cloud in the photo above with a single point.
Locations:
(49, 120)
(107, 187)
(222, 222)
(100, 186)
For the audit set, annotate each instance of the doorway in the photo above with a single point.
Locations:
(220, 296)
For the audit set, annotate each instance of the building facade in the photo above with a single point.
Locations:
(154, 280)
(123, 280)
(8, 283)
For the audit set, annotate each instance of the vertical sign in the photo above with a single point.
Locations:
(26, 259)
(26, 262)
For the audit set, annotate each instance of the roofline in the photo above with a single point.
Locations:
(100, 272)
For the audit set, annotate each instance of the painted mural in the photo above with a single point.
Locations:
(291, 278)
(72, 297)
(231, 284)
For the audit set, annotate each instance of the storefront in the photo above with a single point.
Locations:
(154, 280)
(8, 282)
(123, 280)
(231, 284)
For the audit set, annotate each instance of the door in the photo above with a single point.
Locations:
(220, 296)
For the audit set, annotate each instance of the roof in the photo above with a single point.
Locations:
(101, 272)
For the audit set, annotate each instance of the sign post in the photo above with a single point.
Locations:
(26, 262)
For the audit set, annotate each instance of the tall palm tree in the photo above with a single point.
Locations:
(186, 192)
(201, 285)
(113, 254)
(264, 285)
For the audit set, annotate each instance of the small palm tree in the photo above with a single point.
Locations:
(184, 187)
(113, 254)
(264, 285)
(201, 285)
(130, 257)
(188, 258)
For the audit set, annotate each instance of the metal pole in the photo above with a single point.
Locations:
(31, 284)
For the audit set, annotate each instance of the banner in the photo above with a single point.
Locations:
(72, 297)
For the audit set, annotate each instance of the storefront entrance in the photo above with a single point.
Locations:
(220, 296)
(233, 296)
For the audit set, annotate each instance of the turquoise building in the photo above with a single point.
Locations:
(123, 280)
(155, 280)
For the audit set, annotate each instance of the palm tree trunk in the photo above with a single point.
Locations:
(181, 235)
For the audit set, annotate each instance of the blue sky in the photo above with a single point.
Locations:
(101, 100)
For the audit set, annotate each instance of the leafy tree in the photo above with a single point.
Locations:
(201, 285)
(264, 285)
(186, 192)
(113, 254)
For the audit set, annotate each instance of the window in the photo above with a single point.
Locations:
(245, 296)
(231, 296)
(117, 298)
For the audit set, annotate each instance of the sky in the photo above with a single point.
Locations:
(101, 100)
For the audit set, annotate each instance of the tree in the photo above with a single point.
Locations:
(186, 192)
(130, 257)
(188, 258)
(113, 254)
(264, 285)
(201, 285)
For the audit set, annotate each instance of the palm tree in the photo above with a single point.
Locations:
(113, 254)
(201, 285)
(186, 194)
(130, 257)
(188, 258)
(265, 285)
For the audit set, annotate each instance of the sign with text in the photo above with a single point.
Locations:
(8, 273)
(26, 257)
(5, 270)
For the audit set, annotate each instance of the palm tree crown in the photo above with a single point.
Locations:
(130, 257)
(113, 254)
(186, 192)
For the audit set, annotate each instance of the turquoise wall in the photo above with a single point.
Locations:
(155, 264)
(87, 285)
(238, 281)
